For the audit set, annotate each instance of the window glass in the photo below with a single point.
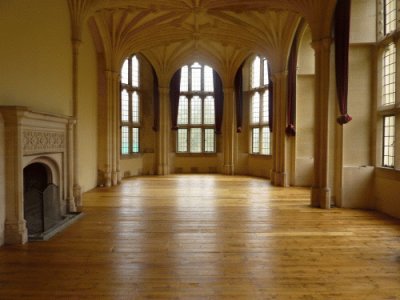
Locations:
(130, 106)
(389, 75)
(209, 110)
(388, 141)
(256, 73)
(196, 110)
(195, 140)
(185, 79)
(135, 72)
(389, 11)
(183, 110)
(196, 77)
(208, 79)
(259, 107)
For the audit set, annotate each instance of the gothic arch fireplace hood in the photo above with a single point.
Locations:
(37, 145)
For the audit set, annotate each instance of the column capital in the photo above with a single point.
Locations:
(163, 90)
(76, 43)
(279, 75)
(111, 73)
(228, 89)
(321, 44)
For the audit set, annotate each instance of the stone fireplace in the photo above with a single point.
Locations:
(39, 173)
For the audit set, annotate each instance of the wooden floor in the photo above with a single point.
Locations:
(208, 237)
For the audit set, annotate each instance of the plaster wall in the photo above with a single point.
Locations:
(306, 57)
(358, 187)
(304, 163)
(36, 55)
(358, 174)
(363, 21)
(357, 133)
(305, 106)
(142, 164)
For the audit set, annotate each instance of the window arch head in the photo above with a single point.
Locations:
(197, 78)
(259, 72)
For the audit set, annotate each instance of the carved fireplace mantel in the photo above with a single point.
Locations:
(32, 137)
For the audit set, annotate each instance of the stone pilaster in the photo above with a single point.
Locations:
(320, 195)
(229, 131)
(15, 231)
(77, 191)
(279, 176)
(115, 127)
(163, 135)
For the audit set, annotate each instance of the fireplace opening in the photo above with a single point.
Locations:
(42, 209)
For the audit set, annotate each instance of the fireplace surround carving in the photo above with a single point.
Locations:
(35, 138)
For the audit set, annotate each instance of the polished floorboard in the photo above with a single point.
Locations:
(208, 237)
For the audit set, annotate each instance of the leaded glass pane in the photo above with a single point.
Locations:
(195, 111)
(265, 108)
(209, 111)
(266, 76)
(124, 106)
(184, 79)
(135, 140)
(135, 72)
(208, 79)
(388, 141)
(195, 140)
(209, 140)
(256, 140)
(125, 72)
(389, 75)
(183, 111)
(266, 141)
(196, 77)
(135, 107)
(124, 140)
(255, 108)
(182, 145)
(389, 7)
(256, 73)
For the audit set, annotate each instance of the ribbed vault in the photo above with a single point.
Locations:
(221, 33)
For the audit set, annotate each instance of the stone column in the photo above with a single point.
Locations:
(229, 131)
(320, 194)
(15, 231)
(163, 135)
(115, 116)
(108, 132)
(77, 191)
(279, 175)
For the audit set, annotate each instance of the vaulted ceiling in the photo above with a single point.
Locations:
(221, 33)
